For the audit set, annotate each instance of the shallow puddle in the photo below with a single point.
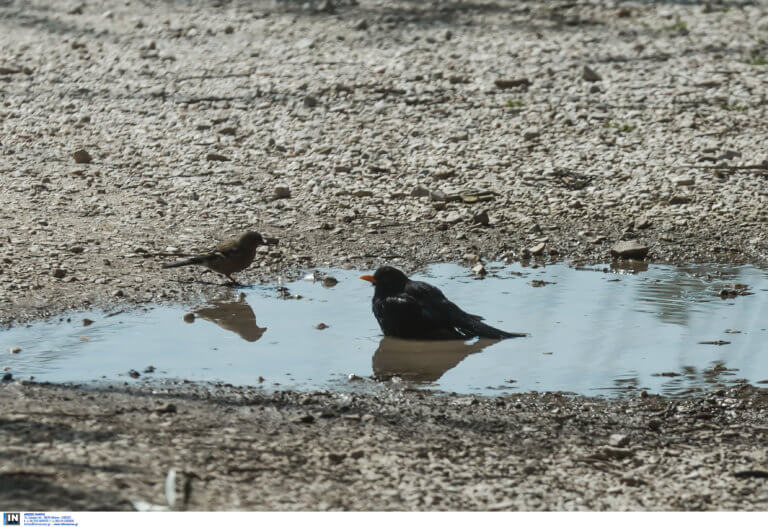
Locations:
(596, 330)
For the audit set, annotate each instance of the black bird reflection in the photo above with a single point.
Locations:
(422, 360)
(234, 316)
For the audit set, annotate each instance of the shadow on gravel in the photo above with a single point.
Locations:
(37, 491)
(34, 431)
(525, 16)
(229, 395)
(721, 4)
(48, 21)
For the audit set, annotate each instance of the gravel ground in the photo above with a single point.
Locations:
(235, 448)
(132, 132)
(462, 130)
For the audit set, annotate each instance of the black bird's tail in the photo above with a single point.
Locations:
(191, 261)
(476, 328)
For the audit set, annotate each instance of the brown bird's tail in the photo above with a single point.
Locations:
(191, 261)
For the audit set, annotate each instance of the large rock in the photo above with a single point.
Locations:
(629, 249)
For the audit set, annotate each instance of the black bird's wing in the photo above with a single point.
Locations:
(443, 316)
(403, 316)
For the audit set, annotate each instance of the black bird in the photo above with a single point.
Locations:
(416, 310)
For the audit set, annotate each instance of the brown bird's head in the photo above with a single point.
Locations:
(387, 280)
(252, 239)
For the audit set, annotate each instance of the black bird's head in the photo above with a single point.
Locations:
(388, 280)
(252, 239)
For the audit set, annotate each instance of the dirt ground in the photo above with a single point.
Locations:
(236, 448)
(352, 134)
(405, 132)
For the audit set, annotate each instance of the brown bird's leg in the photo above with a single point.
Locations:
(232, 280)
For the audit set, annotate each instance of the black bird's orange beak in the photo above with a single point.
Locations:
(368, 278)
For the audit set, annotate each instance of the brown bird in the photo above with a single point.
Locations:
(228, 257)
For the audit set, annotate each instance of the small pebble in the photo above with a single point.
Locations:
(590, 75)
(479, 270)
(618, 440)
(213, 156)
(282, 192)
(537, 249)
(82, 156)
(482, 218)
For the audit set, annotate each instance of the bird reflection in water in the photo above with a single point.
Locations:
(234, 316)
(422, 360)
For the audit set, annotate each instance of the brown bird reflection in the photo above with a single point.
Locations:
(234, 316)
(422, 360)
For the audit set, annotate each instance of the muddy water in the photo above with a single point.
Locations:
(594, 331)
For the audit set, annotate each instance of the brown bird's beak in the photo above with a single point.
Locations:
(368, 278)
